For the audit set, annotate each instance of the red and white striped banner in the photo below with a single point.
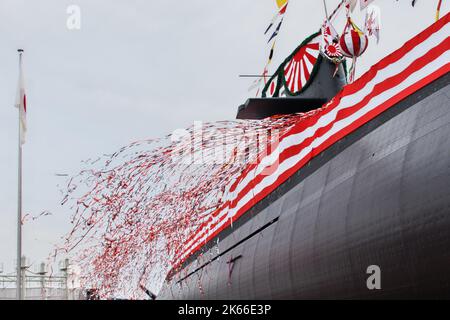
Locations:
(417, 63)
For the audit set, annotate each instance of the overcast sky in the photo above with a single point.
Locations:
(136, 69)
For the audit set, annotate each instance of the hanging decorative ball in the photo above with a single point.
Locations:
(353, 41)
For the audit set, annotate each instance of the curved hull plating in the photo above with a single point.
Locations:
(380, 196)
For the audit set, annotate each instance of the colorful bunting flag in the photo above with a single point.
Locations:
(277, 30)
(277, 18)
(282, 3)
(365, 3)
(372, 24)
(278, 21)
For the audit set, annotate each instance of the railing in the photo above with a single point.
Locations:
(38, 287)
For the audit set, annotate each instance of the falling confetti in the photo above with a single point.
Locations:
(135, 209)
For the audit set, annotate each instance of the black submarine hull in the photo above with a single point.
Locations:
(380, 196)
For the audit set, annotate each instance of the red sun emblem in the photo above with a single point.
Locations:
(333, 50)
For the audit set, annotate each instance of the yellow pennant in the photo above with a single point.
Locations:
(355, 27)
(281, 3)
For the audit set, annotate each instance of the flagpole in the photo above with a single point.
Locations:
(19, 204)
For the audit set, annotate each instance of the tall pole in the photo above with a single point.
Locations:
(19, 201)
